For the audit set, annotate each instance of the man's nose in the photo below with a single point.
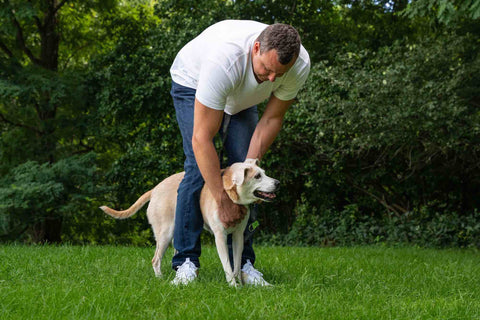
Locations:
(272, 77)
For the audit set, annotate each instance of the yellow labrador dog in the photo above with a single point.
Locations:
(244, 182)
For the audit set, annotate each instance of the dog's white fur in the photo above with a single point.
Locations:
(242, 181)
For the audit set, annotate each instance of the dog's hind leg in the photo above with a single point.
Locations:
(163, 236)
(157, 261)
(162, 245)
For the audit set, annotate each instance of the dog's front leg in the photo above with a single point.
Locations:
(237, 242)
(222, 248)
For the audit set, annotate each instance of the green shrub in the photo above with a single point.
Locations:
(32, 194)
(379, 139)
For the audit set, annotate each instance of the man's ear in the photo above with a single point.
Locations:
(256, 47)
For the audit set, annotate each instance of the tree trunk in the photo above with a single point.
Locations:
(50, 40)
(53, 229)
(49, 230)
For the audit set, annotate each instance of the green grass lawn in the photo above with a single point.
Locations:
(69, 282)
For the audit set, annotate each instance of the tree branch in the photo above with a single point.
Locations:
(4, 47)
(39, 24)
(2, 117)
(294, 8)
(84, 151)
(53, 10)
(37, 21)
(380, 200)
(21, 41)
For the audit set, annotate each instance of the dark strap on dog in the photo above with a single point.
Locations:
(252, 223)
(226, 123)
(223, 135)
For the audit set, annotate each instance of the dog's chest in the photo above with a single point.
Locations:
(214, 223)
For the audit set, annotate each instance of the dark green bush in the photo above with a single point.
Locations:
(33, 193)
(385, 140)
(351, 227)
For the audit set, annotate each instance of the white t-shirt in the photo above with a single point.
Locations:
(218, 64)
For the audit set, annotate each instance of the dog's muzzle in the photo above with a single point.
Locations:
(267, 195)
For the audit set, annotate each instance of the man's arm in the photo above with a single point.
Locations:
(206, 124)
(268, 127)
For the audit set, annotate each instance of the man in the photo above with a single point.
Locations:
(217, 80)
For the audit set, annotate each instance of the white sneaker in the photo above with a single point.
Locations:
(186, 273)
(252, 276)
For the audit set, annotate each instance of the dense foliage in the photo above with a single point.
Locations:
(382, 145)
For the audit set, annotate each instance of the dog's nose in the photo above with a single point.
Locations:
(277, 184)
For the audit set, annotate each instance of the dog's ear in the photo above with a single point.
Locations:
(253, 161)
(234, 175)
(239, 175)
(227, 178)
(230, 183)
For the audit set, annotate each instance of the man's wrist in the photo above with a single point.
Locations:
(219, 196)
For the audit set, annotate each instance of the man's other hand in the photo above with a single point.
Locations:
(229, 213)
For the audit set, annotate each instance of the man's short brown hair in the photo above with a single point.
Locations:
(283, 38)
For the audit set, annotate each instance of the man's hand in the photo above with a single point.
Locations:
(230, 214)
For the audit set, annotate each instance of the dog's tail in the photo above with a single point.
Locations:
(130, 211)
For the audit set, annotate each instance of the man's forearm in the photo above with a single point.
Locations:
(263, 137)
(208, 163)
(268, 127)
(206, 124)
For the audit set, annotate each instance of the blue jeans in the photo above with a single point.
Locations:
(188, 218)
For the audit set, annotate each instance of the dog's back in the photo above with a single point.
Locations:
(165, 190)
(161, 209)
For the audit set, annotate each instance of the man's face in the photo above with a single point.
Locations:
(266, 66)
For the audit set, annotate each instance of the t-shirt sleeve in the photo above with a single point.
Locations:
(294, 81)
(214, 85)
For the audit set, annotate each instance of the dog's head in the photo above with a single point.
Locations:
(245, 183)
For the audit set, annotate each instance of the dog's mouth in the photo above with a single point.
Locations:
(265, 196)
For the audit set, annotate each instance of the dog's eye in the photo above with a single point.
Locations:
(258, 176)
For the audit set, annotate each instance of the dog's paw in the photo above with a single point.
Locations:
(232, 282)
(158, 273)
